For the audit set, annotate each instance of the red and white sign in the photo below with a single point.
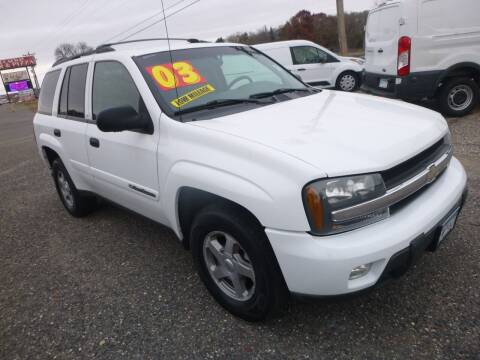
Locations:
(19, 62)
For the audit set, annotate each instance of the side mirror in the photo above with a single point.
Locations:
(123, 118)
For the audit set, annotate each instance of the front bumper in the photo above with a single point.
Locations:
(321, 266)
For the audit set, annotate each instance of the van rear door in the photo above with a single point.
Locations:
(381, 40)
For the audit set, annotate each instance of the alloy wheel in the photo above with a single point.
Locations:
(229, 265)
(65, 190)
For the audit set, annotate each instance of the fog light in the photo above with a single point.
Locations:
(360, 271)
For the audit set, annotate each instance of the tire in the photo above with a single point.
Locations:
(76, 204)
(458, 97)
(348, 81)
(263, 291)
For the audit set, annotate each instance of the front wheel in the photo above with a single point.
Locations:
(236, 263)
(348, 81)
(458, 97)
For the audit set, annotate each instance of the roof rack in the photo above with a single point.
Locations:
(98, 50)
(103, 48)
(191, 41)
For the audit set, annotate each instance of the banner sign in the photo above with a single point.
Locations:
(15, 76)
(18, 86)
(19, 62)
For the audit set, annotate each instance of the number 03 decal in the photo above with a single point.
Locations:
(181, 74)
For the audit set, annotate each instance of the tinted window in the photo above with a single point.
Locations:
(62, 104)
(76, 91)
(45, 103)
(113, 87)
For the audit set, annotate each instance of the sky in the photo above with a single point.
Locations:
(38, 26)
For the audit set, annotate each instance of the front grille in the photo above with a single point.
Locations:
(408, 169)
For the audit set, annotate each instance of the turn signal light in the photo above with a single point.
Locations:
(404, 55)
(314, 204)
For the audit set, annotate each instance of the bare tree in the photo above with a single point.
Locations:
(83, 48)
(342, 33)
(67, 50)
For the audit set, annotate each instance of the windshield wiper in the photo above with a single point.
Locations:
(221, 103)
(278, 92)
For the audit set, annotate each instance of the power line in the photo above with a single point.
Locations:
(92, 12)
(159, 21)
(143, 21)
(65, 21)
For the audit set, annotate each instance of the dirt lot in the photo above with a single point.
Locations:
(115, 285)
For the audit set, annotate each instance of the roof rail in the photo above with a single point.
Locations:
(98, 50)
(108, 47)
(191, 41)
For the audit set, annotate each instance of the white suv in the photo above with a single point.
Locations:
(275, 187)
(316, 65)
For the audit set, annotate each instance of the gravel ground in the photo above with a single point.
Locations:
(115, 285)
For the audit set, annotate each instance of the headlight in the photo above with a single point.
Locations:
(358, 61)
(323, 197)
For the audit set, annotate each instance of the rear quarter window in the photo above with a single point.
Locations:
(47, 92)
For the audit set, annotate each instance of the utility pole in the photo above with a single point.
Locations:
(342, 34)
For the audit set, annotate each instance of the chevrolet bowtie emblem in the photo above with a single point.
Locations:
(432, 173)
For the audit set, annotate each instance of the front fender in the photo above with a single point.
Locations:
(261, 202)
(346, 66)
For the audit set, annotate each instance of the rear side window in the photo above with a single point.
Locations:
(72, 101)
(45, 103)
(114, 87)
(76, 91)
(62, 104)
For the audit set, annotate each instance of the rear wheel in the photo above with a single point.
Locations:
(76, 204)
(458, 97)
(348, 81)
(236, 263)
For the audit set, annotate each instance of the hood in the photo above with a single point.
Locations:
(358, 61)
(338, 133)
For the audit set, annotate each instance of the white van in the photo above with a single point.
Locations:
(425, 49)
(315, 65)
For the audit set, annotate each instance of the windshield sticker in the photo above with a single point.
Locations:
(193, 95)
(181, 74)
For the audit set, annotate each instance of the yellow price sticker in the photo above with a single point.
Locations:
(179, 74)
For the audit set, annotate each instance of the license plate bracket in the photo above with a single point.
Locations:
(383, 83)
(447, 226)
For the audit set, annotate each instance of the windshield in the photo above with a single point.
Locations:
(217, 80)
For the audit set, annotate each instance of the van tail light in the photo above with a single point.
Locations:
(404, 55)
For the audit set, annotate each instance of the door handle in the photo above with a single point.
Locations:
(302, 69)
(380, 51)
(94, 142)
(57, 133)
